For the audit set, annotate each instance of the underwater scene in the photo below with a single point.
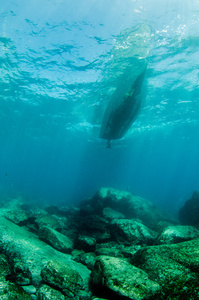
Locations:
(99, 149)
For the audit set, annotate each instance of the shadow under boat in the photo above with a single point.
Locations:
(122, 111)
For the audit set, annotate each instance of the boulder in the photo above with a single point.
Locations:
(96, 226)
(50, 221)
(45, 292)
(110, 249)
(86, 243)
(55, 239)
(88, 259)
(177, 234)
(19, 216)
(131, 232)
(130, 205)
(20, 271)
(93, 223)
(62, 277)
(117, 250)
(111, 214)
(28, 255)
(116, 279)
(174, 267)
(11, 291)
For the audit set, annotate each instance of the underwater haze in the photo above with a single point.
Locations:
(61, 61)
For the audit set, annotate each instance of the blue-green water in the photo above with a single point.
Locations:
(57, 69)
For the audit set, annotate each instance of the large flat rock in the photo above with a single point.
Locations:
(28, 255)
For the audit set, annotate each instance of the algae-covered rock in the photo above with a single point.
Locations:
(62, 277)
(18, 216)
(110, 249)
(132, 232)
(5, 269)
(55, 239)
(177, 234)
(10, 291)
(49, 221)
(45, 292)
(21, 272)
(28, 255)
(86, 243)
(96, 226)
(93, 223)
(88, 259)
(112, 214)
(116, 279)
(175, 267)
(117, 250)
(130, 205)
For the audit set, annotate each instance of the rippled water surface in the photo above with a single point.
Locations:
(60, 63)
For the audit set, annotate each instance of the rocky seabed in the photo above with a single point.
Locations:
(115, 245)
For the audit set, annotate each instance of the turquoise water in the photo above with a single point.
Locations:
(59, 64)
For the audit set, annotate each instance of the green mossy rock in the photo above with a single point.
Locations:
(175, 267)
(132, 232)
(55, 239)
(45, 292)
(28, 255)
(117, 279)
(48, 220)
(130, 205)
(11, 291)
(86, 243)
(177, 234)
(62, 277)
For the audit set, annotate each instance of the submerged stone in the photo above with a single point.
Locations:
(86, 243)
(112, 214)
(30, 289)
(28, 255)
(48, 220)
(11, 291)
(55, 239)
(45, 292)
(88, 259)
(175, 267)
(130, 205)
(110, 249)
(62, 277)
(177, 234)
(93, 223)
(21, 272)
(116, 279)
(132, 232)
(124, 269)
(19, 216)
(96, 226)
